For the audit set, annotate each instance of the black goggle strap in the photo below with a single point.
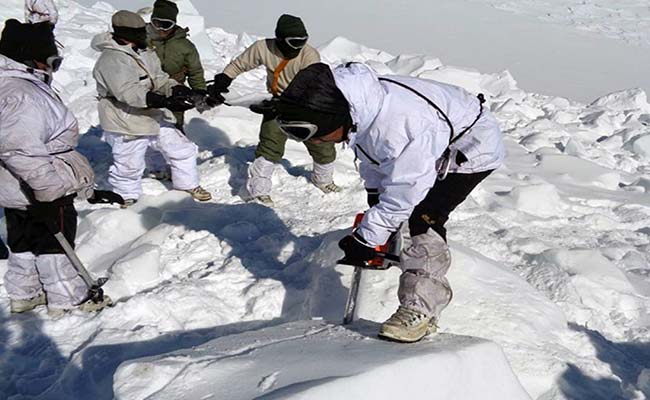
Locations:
(297, 130)
(296, 42)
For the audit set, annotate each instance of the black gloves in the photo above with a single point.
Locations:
(266, 108)
(203, 101)
(357, 251)
(155, 100)
(220, 85)
(180, 100)
(105, 197)
(373, 197)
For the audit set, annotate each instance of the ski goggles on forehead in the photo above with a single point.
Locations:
(54, 62)
(299, 131)
(296, 42)
(163, 24)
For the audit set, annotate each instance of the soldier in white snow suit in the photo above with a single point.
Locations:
(135, 100)
(282, 56)
(40, 174)
(41, 11)
(408, 134)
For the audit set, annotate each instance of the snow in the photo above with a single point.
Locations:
(550, 257)
(341, 363)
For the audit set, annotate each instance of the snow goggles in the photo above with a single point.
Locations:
(299, 131)
(54, 62)
(296, 42)
(163, 24)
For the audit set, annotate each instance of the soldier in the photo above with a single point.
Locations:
(283, 56)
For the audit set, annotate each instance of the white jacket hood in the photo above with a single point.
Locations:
(364, 92)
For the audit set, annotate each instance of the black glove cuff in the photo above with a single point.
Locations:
(155, 100)
(181, 91)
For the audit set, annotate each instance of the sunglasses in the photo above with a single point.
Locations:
(297, 130)
(296, 42)
(162, 24)
(54, 62)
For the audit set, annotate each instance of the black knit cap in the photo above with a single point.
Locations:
(312, 96)
(26, 42)
(165, 9)
(289, 26)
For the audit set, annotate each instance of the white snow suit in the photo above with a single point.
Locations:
(399, 141)
(124, 77)
(41, 11)
(38, 135)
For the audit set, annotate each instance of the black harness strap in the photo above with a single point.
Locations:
(452, 135)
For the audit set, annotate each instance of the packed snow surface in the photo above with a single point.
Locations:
(550, 259)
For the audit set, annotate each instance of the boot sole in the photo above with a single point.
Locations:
(391, 337)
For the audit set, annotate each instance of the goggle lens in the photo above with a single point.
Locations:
(54, 62)
(299, 131)
(163, 24)
(296, 42)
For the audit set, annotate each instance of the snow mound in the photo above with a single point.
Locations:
(271, 364)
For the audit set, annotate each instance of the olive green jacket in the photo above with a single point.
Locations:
(179, 57)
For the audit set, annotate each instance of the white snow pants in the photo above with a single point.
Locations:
(125, 175)
(423, 286)
(28, 275)
(261, 171)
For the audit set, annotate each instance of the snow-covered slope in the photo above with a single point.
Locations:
(550, 259)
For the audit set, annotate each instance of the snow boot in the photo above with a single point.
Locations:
(407, 325)
(88, 306)
(200, 194)
(264, 200)
(327, 187)
(20, 306)
(128, 203)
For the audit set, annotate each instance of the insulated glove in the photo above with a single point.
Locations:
(266, 108)
(220, 85)
(357, 251)
(373, 197)
(105, 197)
(180, 102)
(181, 91)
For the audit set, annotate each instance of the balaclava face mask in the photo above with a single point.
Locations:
(289, 26)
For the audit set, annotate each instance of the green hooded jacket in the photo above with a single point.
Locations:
(179, 57)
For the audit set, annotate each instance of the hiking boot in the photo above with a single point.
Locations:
(128, 203)
(200, 194)
(91, 306)
(327, 187)
(407, 326)
(264, 200)
(20, 306)
(87, 306)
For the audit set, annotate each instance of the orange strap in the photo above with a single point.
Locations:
(276, 76)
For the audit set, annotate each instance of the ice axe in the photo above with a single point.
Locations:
(95, 291)
(384, 259)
